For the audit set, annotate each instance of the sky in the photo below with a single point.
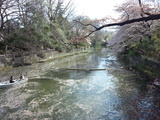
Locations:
(96, 8)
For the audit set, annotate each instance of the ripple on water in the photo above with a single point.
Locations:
(79, 95)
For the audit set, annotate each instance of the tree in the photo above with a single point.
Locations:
(57, 10)
(34, 24)
(57, 14)
(8, 14)
(130, 34)
(146, 13)
(78, 30)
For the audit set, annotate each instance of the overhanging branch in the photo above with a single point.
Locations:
(89, 24)
(150, 17)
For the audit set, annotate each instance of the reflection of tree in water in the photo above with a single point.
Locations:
(92, 61)
(145, 106)
(144, 103)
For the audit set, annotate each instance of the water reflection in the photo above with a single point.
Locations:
(60, 94)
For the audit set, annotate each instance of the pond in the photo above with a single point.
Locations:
(55, 93)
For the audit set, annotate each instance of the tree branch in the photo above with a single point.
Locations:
(89, 24)
(151, 17)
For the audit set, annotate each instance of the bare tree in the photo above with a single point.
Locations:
(57, 9)
(8, 13)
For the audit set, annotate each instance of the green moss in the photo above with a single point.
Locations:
(6, 68)
(133, 45)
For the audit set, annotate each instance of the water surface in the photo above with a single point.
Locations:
(55, 93)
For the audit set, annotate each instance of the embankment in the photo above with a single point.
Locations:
(145, 66)
(42, 56)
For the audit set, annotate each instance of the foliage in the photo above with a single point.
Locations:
(140, 43)
(31, 25)
(82, 26)
(36, 25)
(140, 38)
(148, 46)
(58, 47)
(142, 47)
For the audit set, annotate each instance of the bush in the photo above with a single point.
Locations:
(58, 48)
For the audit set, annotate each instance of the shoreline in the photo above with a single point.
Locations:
(8, 62)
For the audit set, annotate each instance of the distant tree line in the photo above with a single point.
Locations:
(33, 25)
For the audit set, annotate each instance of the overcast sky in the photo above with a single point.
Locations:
(96, 8)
